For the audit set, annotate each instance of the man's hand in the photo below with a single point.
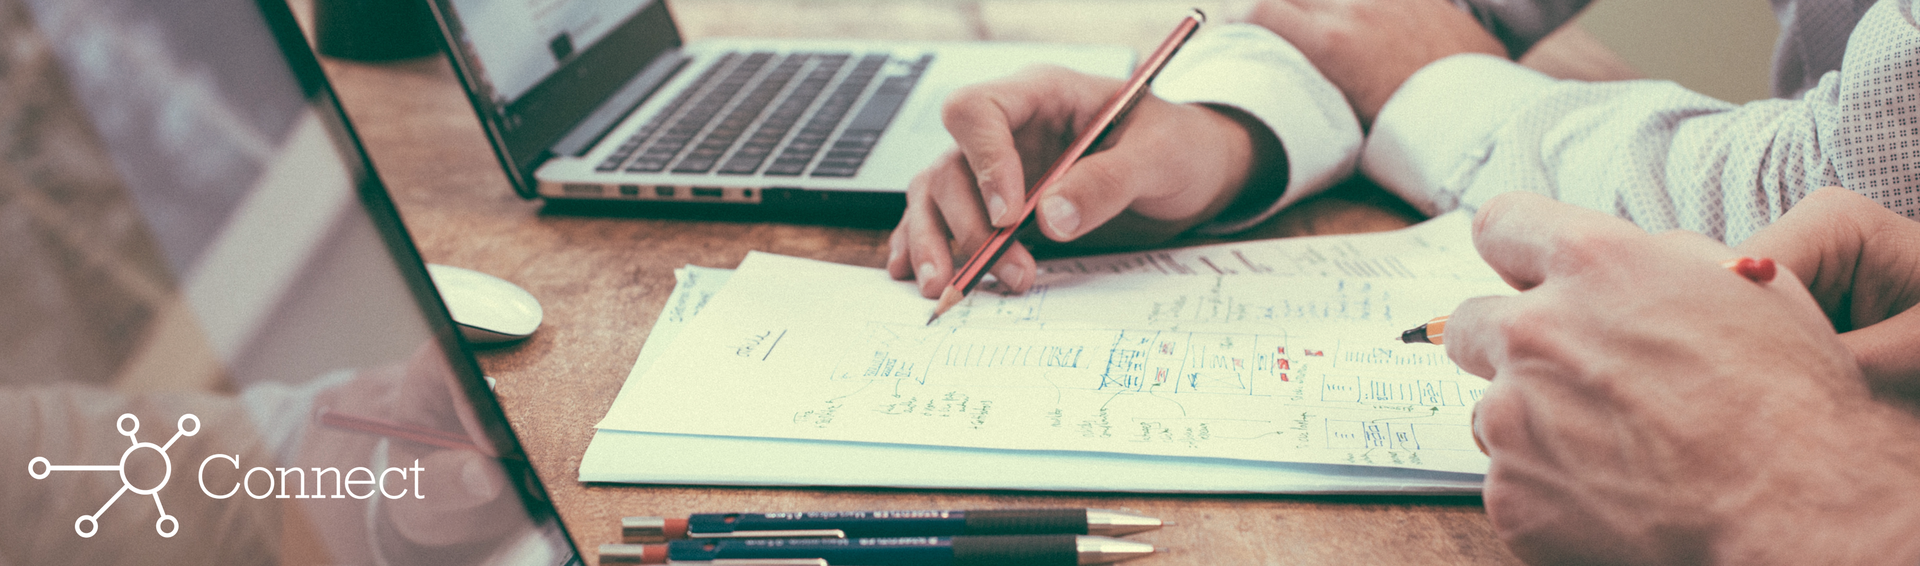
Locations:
(1649, 407)
(1369, 47)
(1165, 168)
(1862, 263)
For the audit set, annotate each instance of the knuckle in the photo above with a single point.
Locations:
(1497, 417)
(1530, 333)
(1103, 179)
(959, 105)
(1047, 72)
(1578, 250)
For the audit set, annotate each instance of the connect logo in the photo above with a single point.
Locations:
(128, 425)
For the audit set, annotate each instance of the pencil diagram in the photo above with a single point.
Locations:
(1206, 392)
(1272, 368)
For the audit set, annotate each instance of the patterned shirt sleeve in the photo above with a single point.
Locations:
(1467, 128)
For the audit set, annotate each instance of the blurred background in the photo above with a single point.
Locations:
(66, 241)
(1721, 48)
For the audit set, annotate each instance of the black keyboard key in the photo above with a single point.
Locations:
(884, 103)
(659, 120)
(783, 118)
(863, 132)
(788, 167)
(723, 136)
(708, 108)
(828, 116)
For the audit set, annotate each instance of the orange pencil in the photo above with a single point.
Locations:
(1435, 331)
(1116, 108)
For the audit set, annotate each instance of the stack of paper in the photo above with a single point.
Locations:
(1265, 366)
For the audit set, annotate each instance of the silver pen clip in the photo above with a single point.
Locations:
(813, 533)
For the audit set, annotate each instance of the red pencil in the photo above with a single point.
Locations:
(1116, 108)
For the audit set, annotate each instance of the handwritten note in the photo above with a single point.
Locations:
(1295, 367)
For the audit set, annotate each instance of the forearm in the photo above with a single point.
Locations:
(1860, 505)
(1468, 128)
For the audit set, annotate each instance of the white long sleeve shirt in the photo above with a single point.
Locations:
(1470, 127)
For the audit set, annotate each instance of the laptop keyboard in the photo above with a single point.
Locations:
(705, 129)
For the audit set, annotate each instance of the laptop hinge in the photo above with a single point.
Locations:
(605, 117)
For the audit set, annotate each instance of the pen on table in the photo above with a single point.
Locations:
(863, 524)
(1001, 550)
(970, 273)
(1759, 270)
(423, 435)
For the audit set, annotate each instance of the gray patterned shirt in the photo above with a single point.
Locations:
(1467, 128)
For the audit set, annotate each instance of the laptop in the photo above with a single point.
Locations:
(599, 101)
(217, 344)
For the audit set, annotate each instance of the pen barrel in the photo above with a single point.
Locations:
(1031, 550)
(1026, 550)
(852, 524)
(1027, 522)
(858, 524)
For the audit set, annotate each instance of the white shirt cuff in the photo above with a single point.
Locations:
(1439, 126)
(1248, 68)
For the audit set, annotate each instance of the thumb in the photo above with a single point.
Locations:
(1087, 196)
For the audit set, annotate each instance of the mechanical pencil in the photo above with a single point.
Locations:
(1000, 550)
(1759, 270)
(860, 524)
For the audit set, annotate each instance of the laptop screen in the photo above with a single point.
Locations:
(551, 76)
(520, 42)
(217, 345)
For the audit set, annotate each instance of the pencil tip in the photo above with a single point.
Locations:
(949, 297)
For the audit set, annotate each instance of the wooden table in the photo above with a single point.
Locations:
(604, 280)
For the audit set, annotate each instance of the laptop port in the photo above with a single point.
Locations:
(664, 191)
(630, 190)
(708, 192)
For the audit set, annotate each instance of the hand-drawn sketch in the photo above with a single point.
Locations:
(1260, 367)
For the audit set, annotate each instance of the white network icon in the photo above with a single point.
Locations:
(87, 525)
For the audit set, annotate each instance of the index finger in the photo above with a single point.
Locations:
(998, 125)
(1525, 237)
(981, 120)
(1474, 341)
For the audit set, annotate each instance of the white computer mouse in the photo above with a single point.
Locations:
(487, 309)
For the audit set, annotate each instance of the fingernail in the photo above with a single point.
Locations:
(1473, 425)
(1061, 215)
(1016, 278)
(996, 208)
(926, 272)
(893, 255)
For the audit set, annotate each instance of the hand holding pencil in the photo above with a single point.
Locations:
(1165, 168)
(1104, 122)
(1640, 381)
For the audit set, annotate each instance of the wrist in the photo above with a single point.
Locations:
(1259, 169)
(1860, 505)
(1252, 166)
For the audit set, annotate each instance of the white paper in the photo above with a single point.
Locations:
(652, 458)
(1277, 368)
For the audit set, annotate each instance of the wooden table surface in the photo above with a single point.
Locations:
(604, 280)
